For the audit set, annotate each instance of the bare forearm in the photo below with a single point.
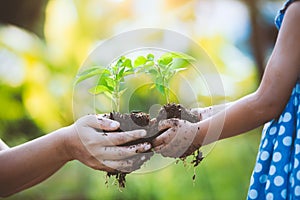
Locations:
(241, 116)
(204, 113)
(28, 164)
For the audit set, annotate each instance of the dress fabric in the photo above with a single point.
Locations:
(276, 174)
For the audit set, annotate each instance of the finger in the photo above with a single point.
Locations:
(165, 151)
(121, 153)
(120, 138)
(197, 112)
(127, 165)
(99, 122)
(165, 124)
(165, 138)
(107, 124)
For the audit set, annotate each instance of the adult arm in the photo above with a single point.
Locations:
(252, 111)
(30, 163)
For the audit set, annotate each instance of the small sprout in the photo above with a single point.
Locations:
(110, 79)
(164, 68)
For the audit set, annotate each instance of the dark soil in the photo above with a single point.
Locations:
(140, 120)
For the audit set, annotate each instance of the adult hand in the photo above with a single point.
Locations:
(178, 139)
(99, 150)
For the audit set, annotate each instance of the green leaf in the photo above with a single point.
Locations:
(179, 63)
(141, 60)
(120, 74)
(181, 56)
(160, 88)
(127, 63)
(120, 61)
(164, 60)
(110, 83)
(88, 74)
(103, 77)
(150, 57)
(149, 64)
(99, 89)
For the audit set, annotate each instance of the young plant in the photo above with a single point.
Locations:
(163, 69)
(110, 79)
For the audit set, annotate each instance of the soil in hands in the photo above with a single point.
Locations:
(140, 120)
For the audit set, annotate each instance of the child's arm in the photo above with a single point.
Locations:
(206, 112)
(266, 103)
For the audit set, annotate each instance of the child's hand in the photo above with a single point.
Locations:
(177, 140)
(100, 150)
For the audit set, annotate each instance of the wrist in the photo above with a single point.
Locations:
(68, 145)
(198, 140)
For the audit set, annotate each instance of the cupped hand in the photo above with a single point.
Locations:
(178, 139)
(100, 150)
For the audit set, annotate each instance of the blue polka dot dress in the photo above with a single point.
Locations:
(276, 174)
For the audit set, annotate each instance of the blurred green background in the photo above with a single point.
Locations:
(43, 43)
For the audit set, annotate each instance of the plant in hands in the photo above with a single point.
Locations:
(161, 70)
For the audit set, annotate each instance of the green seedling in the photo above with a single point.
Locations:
(160, 70)
(110, 79)
(163, 69)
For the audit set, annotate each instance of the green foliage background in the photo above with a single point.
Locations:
(36, 88)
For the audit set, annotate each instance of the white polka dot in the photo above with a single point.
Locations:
(296, 101)
(269, 196)
(287, 117)
(296, 163)
(273, 130)
(253, 194)
(277, 157)
(298, 133)
(251, 180)
(276, 145)
(264, 155)
(280, 119)
(298, 88)
(281, 130)
(283, 193)
(263, 178)
(267, 184)
(298, 175)
(272, 170)
(298, 109)
(258, 168)
(297, 149)
(287, 141)
(297, 190)
(278, 180)
(265, 143)
(292, 181)
(286, 168)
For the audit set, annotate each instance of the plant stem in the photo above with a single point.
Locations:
(167, 93)
(116, 97)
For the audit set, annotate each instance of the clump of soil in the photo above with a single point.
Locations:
(140, 120)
